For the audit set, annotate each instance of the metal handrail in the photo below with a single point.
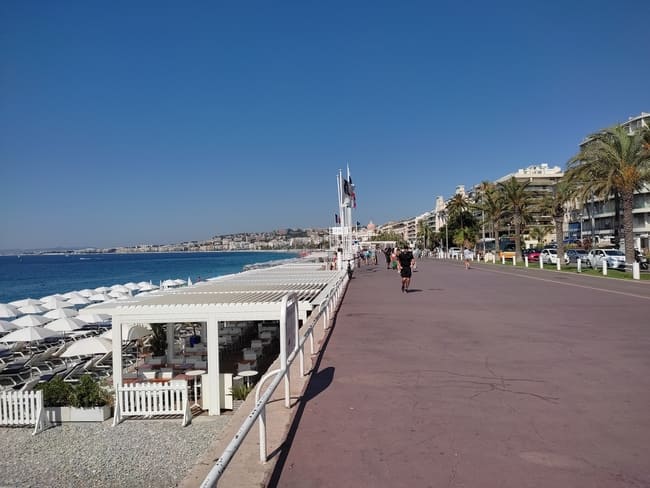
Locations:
(259, 410)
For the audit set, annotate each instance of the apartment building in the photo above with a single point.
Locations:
(597, 219)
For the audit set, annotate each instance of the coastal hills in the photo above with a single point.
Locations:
(280, 239)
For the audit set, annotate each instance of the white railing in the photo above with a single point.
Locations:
(326, 311)
(23, 408)
(152, 399)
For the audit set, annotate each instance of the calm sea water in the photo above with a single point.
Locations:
(39, 276)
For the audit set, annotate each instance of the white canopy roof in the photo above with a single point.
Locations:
(251, 295)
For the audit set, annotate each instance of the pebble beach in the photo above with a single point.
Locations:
(135, 453)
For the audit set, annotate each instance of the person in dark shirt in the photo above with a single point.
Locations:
(405, 260)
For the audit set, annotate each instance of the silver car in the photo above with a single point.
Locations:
(615, 259)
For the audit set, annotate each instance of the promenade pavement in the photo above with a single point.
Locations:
(487, 377)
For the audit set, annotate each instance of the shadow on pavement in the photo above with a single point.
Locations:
(318, 382)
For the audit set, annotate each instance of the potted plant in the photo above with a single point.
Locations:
(56, 399)
(239, 393)
(158, 340)
(86, 402)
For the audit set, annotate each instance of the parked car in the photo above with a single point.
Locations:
(575, 254)
(615, 259)
(532, 254)
(455, 252)
(549, 256)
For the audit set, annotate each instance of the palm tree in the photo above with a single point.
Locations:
(538, 232)
(554, 204)
(492, 206)
(483, 188)
(425, 234)
(516, 198)
(615, 162)
(457, 206)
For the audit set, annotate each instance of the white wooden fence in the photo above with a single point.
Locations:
(152, 399)
(23, 408)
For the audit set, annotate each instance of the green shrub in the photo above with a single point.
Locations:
(88, 393)
(56, 393)
(240, 392)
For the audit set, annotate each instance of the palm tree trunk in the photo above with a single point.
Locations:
(628, 225)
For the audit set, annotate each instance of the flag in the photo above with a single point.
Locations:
(336, 218)
(358, 224)
(353, 196)
(346, 187)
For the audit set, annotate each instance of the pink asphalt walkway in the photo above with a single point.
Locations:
(488, 377)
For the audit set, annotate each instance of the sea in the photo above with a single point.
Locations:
(37, 276)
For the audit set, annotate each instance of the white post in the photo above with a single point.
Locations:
(541, 262)
(604, 267)
(514, 260)
(503, 259)
(494, 258)
(558, 264)
(526, 261)
(579, 263)
(169, 329)
(213, 397)
(636, 271)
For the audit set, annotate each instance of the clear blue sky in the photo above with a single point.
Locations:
(129, 122)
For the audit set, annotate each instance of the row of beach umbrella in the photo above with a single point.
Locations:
(81, 298)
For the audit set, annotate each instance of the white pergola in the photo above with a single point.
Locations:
(254, 295)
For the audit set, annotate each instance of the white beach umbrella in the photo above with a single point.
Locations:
(137, 332)
(94, 318)
(88, 347)
(133, 333)
(59, 313)
(86, 292)
(180, 282)
(58, 303)
(32, 309)
(52, 298)
(79, 300)
(117, 294)
(66, 324)
(31, 321)
(120, 288)
(148, 287)
(7, 326)
(28, 334)
(132, 286)
(8, 311)
(102, 289)
(24, 302)
(99, 297)
(169, 284)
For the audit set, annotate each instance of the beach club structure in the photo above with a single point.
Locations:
(222, 308)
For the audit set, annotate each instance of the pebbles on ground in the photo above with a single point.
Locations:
(135, 453)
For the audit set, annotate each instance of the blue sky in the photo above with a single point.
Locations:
(155, 122)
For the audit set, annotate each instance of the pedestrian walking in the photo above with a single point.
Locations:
(405, 261)
(467, 255)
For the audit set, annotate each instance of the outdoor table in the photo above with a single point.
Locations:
(247, 375)
(194, 374)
